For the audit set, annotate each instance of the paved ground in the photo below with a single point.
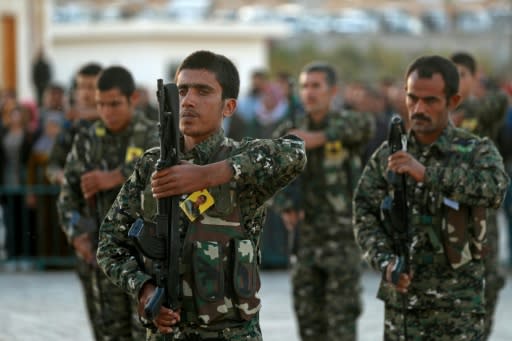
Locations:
(48, 306)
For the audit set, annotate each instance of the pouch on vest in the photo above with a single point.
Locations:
(455, 235)
(208, 274)
(246, 279)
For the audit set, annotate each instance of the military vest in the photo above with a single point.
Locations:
(454, 229)
(219, 260)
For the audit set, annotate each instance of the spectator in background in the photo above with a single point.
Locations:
(144, 104)
(16, 140)
(269, 111)
(247, 104)
(374, 102)
(54, 102)
(41, 75)
(50, 240)
(7, 103)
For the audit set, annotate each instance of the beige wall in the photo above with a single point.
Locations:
(148, 49)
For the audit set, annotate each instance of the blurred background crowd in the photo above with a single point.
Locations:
(369, 42)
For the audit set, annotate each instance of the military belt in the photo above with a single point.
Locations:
(195, 332)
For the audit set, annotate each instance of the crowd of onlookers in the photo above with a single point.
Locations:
(28, 130)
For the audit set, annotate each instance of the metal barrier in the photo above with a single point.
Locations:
(30, 237)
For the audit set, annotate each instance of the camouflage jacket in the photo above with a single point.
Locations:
(62, 146)
(98, 148)
(462, 171)
(260, 167)
(485, 116)
(326, 186)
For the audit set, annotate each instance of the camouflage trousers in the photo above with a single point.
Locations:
(494, 278)
(446, 324)
(250, 331)
(326, 296)
(112, 313)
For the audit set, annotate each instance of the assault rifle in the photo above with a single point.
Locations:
(161, 241)
(394, 209)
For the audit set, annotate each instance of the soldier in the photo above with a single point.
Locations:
(326, 273)
(483, 116)
(451, 177)
(101, 159)
(239, 176)
(79, 118)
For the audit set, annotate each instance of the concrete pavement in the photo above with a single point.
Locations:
(49, 306)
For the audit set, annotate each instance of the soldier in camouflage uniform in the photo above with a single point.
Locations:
(81, 115)
(326, 273)
(220, 254)
(101, 159)
(483, 116)
(452, 176)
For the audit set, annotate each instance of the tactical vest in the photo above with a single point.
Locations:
(461, 232)
(219, 261)
(136, 140)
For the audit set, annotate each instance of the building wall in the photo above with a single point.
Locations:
(23, 55)
(149, 50)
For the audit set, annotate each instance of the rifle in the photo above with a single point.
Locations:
(394, 209)
(161, 241)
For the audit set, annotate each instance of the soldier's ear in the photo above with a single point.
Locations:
(133, 99)
(454, 102)
(229, 107)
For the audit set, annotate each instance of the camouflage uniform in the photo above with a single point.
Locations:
(326, 274)
(114, 314)
(485, 117)
(223, 242)
(445, 237)
(56, 162)
(62, 146)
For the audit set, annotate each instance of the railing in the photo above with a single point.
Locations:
(31, 237)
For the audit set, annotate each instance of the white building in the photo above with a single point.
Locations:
(148, 48)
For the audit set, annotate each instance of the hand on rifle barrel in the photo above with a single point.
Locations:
(398, 279)
(166, 318)
(402, 162)
(83, 247)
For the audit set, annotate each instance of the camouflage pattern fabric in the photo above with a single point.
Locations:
(326, 274)
(460, 167)
(112, 310)
(62, 146)
(248, 332)
(446, 324)
(485, 117)
(260, 167)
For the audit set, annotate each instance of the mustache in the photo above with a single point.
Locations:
(188, 113)
(421, 117)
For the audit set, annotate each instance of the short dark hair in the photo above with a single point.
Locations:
(427, 66)
(116, 77)
(324, 67)
(224, 70)
(90, 69)
(465, 59)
